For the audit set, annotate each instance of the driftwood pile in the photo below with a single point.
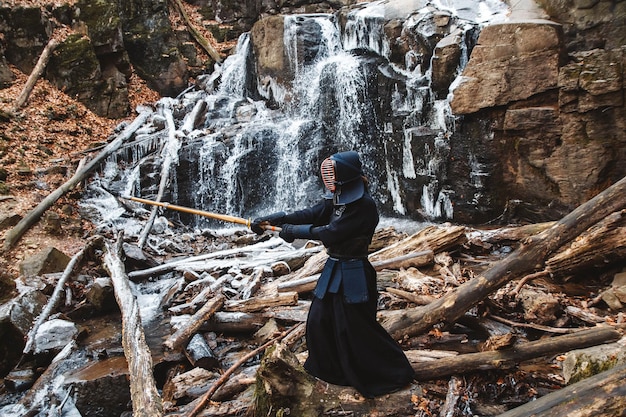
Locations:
(437, 286)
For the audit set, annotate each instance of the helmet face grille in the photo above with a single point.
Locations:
(328, 174)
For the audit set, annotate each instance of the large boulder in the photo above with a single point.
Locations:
(75, 68)
(26, 31)
(95, 63)
(589, 24)
(511, 62)
(16, 318)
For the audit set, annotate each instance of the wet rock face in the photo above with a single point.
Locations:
(16, 319)
(511, 62)
(26, 32)
(102, 389)
(555, 132)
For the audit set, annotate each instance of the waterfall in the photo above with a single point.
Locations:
(263, 135)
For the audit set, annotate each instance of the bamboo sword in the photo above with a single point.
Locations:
(223, 217)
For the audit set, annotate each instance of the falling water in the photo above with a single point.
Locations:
(261, 140)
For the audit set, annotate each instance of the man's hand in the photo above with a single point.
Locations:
(286, 233)
(274, 219)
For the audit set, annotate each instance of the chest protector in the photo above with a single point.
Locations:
(345, 268)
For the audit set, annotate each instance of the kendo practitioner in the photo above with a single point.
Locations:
(347, 346)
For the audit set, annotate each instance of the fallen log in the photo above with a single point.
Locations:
(194, 118)
(603, 243)
(169, 157)
(235, 322)
(182, 335)
(424, 355)
(508, 358)
(299, 286)
(385, 237)
(433, 238)
(307, 283)
(456, 389)
(514, 234)
(40, 66)
(603, 394)
(13, 235)
(419, 299)
(143, 391)
(530, 256)
(411, 259)
(263, 247)
(254, 304)
(58, 290)
(206, 397)
(200, 354)
(283, 384)
(202, 41)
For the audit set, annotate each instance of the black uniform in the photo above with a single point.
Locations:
(347, 345)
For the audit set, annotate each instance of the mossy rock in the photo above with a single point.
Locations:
(74, 66)
(103, 22)
(583, 363)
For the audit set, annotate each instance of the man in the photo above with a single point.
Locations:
(347, 345)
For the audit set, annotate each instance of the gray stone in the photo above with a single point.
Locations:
(20, 380)
(446, 59)
(54, 335)
(9, 220)
(101, 296)
(583, 363)
(611, 299)
(101, 388)
(47, 261)
(20, 312)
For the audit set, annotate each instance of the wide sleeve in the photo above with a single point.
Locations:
(316, 215)
(359, 218)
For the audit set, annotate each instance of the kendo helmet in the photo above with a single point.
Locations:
(342, 176)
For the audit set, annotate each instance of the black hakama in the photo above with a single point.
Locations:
(347, 345)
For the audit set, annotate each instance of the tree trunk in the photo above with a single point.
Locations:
(529, 257)
(42, 62)
(13, 235)
(508, 358)
(143, 391)
(432, 238)
(207, 396)
(283, 385)
(200, 354)
(413, 259)
(606, 241)
(603, 394)
(202, 41)
(185, 333)
(261, 303)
